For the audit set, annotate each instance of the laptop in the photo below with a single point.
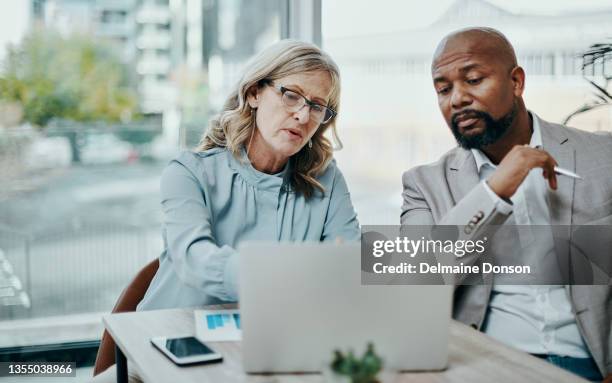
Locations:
(300, 302)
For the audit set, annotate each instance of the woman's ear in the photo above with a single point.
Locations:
(253, 96)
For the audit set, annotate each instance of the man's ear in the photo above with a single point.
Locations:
(253, 96)
(518, 80)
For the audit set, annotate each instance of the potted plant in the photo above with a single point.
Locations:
(349, 368)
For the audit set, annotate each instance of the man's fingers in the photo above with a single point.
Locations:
(553, 181)
(515, 167)
(542, 159)
(536, 158)
(551, 175)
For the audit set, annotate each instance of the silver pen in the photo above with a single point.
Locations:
(561, 171)
(565, 172)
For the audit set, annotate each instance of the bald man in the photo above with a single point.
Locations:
(502, 173)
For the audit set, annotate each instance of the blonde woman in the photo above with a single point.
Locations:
(263, 170)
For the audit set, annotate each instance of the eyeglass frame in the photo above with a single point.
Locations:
(282, 89)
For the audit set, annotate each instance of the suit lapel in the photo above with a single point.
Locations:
(560, 206)
(462, 174)
(560, 201)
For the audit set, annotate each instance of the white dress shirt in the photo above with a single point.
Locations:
(536, 319)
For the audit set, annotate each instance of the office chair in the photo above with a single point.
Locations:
(128, 300)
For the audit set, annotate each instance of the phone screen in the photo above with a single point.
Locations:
(189, 346)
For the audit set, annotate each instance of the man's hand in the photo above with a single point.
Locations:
(515, 166)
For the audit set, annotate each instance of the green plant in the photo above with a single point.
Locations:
(364, 370)
(596, 64)
(75, 77)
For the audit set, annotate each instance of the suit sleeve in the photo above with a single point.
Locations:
(478, 214)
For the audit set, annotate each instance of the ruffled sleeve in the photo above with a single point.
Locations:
(196, 258)
(341, 220)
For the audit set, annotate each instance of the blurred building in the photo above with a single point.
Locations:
(548, 47)
(403, 116)
(114, 21)
(15, 19)
(65, 16)
(154, 56)
(154, 37)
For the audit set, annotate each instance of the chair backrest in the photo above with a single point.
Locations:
(128, 300)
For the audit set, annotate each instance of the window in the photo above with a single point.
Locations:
(79, 203)
(389, 119)
(113, 16)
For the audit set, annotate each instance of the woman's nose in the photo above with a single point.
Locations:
(303, 114)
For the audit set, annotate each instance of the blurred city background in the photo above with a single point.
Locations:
(97, 95)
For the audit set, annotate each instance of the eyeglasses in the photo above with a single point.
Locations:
(295, 102)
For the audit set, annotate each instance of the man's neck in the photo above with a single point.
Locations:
(518, 134)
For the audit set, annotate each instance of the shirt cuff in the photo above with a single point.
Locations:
(501, 204)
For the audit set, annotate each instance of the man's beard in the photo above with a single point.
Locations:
(494, 129)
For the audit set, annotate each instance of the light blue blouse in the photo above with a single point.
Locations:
(213, 201)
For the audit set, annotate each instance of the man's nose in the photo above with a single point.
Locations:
(460, 97)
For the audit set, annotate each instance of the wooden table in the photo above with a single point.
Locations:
(473, 357)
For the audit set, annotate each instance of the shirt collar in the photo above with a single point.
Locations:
(536, 141)
(262, 181)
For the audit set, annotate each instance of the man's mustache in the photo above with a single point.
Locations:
(468, 113)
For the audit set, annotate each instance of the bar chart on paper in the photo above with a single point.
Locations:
(215, 321)
(218, 325)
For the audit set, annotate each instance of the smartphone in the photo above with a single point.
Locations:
(184, 351)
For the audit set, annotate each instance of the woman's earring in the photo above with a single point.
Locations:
(310, 144)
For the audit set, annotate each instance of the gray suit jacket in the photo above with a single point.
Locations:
(448, 192)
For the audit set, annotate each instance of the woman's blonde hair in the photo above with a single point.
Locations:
(233, 127)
